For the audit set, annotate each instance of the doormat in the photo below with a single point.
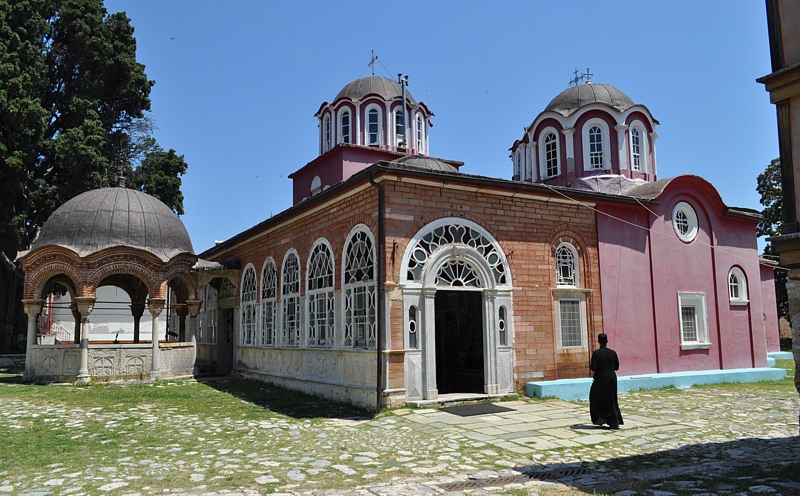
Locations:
(477, 409)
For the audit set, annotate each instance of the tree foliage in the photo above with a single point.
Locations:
(73, 104)
(769, 186)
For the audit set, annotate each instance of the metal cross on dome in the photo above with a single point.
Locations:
(580, 77)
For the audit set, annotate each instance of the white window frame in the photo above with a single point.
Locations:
(737, 291)
(543, 153)
(248, 302)
(320, 300)
(340, 127)
(562, 282)
(570, 295)
(605, 142)
(701, 339)
(379, 140)
(290, 301)
(360, 321)
(684, 222)
(419, 122)
(518, 163)
(397, 137)
(269, 292)
(639, 128)
(326, 132)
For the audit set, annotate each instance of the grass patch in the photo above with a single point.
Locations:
(782, 388)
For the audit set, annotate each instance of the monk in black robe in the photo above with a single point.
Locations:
(603, 405)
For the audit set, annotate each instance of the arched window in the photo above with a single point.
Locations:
(326, 133)
(319, 292)
(420, 134)
(551, 155)
(269, 290)
(518, 164)
(374, 125)
(596, 147)
(316, 185)
(638, 138)
(360, 295)
(344, 126)
(399, 127)
(207, 319)
(737, 286)
(248, 307)
(566, 266)
(290, 300)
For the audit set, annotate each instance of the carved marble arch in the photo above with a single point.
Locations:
(453, 252)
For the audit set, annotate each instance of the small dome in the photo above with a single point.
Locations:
(576, 97)
(423, 162)
(373, 85)
(107, 217)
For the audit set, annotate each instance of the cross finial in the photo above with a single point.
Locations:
(372, 61)
(578, 77)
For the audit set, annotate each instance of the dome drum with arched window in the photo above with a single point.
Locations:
(586, 131)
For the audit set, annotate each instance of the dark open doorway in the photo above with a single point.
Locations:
(459, 342)
(225, 342)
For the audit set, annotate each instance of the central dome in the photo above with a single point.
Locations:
(576, 97)
(108, 217)
(385, 88)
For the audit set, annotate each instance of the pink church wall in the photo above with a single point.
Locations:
(771, 321)
(644, 326)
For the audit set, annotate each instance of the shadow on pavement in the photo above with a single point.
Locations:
(728, 467)
(291, 403)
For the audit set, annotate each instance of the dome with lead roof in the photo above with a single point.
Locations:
(382, 87)
(576, 97)
(109, 217)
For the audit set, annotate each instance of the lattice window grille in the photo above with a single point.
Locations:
(320, 297)
(596, 148)
(269, 288)
(457, 273)
(570, 322)
(228, 290)
(290, 301)
(566, 267)
(248, 308)
(454, 234)
(360, 316)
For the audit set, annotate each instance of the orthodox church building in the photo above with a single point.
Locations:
(396, 276)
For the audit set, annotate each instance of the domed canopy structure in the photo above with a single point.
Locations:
(423, 162)
(382, 87)
(108, 217)
(576, 97)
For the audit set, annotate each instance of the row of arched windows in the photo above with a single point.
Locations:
(375, 132)
(547, 161)
(274, 312)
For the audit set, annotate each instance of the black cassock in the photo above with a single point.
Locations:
(603, 405)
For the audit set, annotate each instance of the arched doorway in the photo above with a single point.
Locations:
(457, 302)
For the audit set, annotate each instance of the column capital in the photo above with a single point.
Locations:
(85, 305)
(194, 307)
(621, 128)
(155, 305)
(568, 131)
(653, 136)
(32, 307)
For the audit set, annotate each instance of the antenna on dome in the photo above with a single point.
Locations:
(372, 61)
(579, 77)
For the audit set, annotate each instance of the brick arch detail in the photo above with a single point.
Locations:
(563, 233)
(35, 282)
(129, 268)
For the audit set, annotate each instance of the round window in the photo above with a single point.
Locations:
(684, 221)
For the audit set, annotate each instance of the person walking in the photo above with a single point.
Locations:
(603, 405)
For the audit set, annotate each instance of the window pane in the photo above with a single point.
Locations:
(570, 323)
(689, 323)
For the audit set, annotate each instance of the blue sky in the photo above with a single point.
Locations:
(238, 83)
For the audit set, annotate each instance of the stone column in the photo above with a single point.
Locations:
(623, 155)
(155, 305)
(137, 310)
(793, 291)
(32, 309)
(77, 316)
(490, 342)
(653, 138)
(534, 157)
(194, 308)
(570, 135)
(430, 389)
(85, 307)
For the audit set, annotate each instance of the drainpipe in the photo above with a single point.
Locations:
(379, 314)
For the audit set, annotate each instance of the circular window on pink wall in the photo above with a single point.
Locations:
(684, 221)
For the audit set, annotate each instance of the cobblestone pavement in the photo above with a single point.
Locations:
(674, 442)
